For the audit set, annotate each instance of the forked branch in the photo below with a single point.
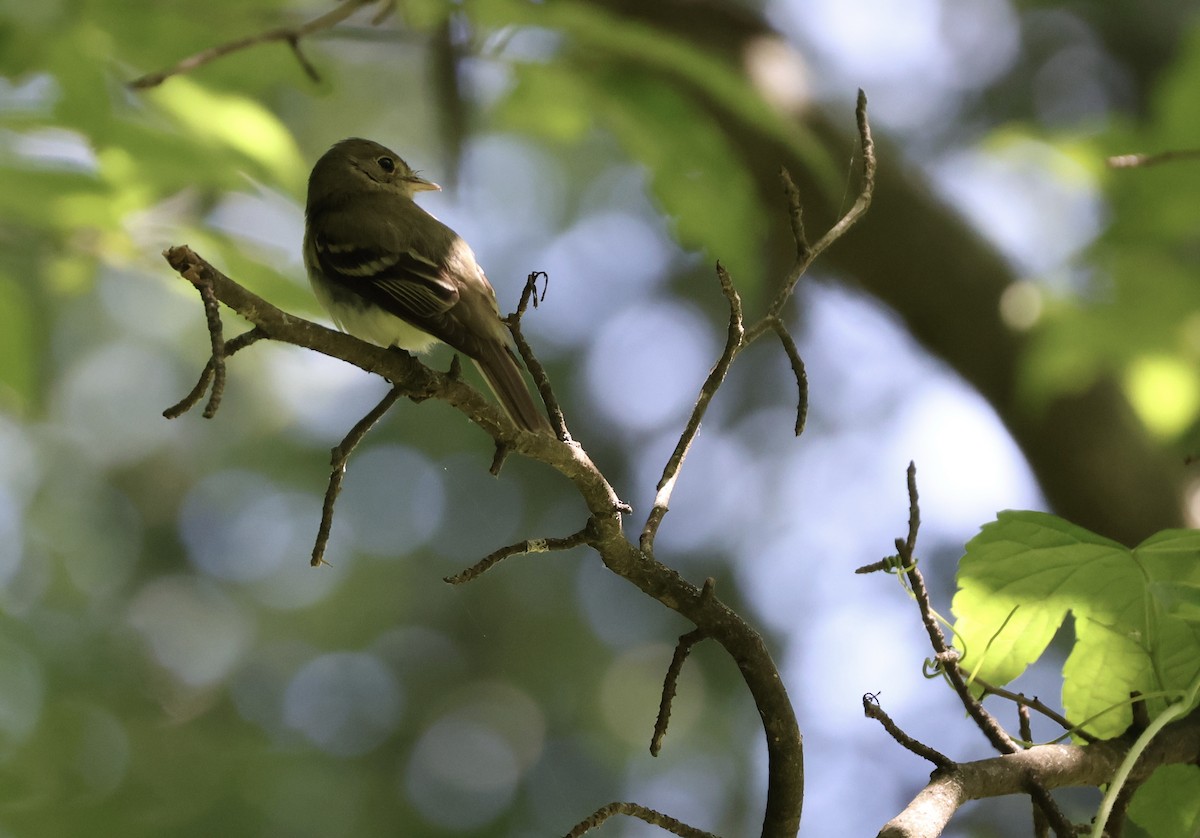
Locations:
(604, 532)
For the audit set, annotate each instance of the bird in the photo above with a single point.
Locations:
(392, 274)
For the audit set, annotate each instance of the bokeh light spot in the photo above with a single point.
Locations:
(238, 525)
(345, 703)
(1165, 393)
(462, 774)
(192, 628)
(648, 363)
(393, 501)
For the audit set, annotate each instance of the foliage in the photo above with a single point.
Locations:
(160, 630)
(1135, 616)
(1134, 308)
(1134, 612)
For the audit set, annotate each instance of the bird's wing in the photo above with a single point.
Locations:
(376, 256)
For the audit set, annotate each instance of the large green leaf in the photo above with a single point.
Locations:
(1026, 571)
(1168, 804)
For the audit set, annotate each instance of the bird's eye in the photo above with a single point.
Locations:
(387, 164)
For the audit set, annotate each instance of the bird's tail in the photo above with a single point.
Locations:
(503, 375)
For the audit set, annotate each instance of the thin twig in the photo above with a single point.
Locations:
(633, 810)
(1034, 704)
(873, 710)
(795, 214)
(338, 458)
(302, 59)
(670, 683)
(212, 315)
(793, 354)
(947, 657)
(1041, 829)
(806, 255)
(290, 35)
(538, 372)
(529, 545)
(206, 375)
(1044, 803)
(682, 649)
(734, 342)
(1140, 161)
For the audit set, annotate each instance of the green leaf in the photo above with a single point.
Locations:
(1026, 571)
(1168, 804)
(1179, 599)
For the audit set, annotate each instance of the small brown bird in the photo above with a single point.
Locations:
(390, 273)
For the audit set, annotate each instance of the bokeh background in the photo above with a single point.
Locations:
(1014, 316)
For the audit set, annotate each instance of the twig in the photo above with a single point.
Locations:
(734, 342)
(806, 255)
(529, 545)
(1044, 803)
(1041, 829)
(795, 214)
(633, 810)
(947, 659)
(212, 314)
(206, 375)
(1034, 704)
(682, 649)
(338, 457)
(290, 35)
(873, 710)
(946, 656)
(1046, 813)
(793, 354)
(538, 372)
(1056, 766)
(1140, 161)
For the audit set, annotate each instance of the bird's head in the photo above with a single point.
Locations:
(356, 164)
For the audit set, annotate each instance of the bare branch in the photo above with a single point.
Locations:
(212, 314)
(1034, 704)
(529, 545)
(795, 215)
(206, 375)
(793, 354)
(1045, 805)
(540, 379)
(1055, 766)
(806, 255)
(734, 342)
(1041, 829)
(874, 710)
(338, 457)
(682, 649)
(290, 35)
(944, 654)
(633, 810)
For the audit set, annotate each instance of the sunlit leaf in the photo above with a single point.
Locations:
(1026, 571)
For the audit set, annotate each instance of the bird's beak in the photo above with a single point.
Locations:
(418, 184)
